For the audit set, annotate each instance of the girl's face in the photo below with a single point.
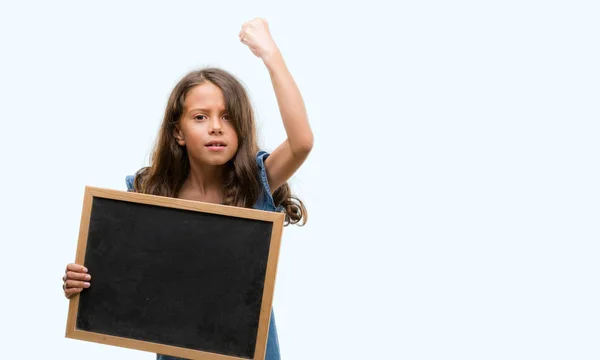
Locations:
(204, 127)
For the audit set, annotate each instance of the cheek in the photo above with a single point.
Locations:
(195, 135)
(233, 139)
(234, 146)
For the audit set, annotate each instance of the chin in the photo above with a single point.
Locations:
(212, 159)
(216, 160)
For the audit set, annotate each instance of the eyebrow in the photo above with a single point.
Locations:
(205, 110)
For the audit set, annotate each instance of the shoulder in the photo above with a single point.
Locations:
(261, 156)
(265, 200)
(129, 182)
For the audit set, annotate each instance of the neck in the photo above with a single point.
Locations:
(204, 182)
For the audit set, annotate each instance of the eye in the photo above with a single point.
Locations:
(226, 117)
(199, 117)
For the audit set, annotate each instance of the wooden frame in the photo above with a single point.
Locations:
(277, 220)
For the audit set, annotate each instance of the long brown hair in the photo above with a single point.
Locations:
(170, 165)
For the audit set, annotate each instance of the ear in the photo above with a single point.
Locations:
(178, 135)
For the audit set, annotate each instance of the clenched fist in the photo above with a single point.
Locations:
(255, 34)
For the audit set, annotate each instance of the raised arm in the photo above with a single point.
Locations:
(291, 154)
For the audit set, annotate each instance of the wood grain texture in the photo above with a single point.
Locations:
(277, 221)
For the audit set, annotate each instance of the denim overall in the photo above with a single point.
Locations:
(264, 202)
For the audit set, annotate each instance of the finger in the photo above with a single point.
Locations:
(76, 284)
(76, 267)
(76, 276)
(251, 24)
(71, 292)
(246, 31)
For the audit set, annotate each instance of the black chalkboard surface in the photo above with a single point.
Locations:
(174, 276)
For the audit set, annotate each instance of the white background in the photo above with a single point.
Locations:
(453, 190)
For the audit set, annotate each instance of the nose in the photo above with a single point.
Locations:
(214, 126)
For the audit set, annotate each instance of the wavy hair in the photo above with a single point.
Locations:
(170, 165)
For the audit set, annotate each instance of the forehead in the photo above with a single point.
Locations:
(206, 95)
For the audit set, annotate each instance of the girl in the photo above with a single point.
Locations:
(206, 149)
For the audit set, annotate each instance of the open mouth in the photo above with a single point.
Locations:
(215, 144)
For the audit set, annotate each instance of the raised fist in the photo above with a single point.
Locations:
(255, 34)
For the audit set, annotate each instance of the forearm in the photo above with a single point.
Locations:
(291, 105)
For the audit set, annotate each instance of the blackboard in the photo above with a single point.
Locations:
(174, 276)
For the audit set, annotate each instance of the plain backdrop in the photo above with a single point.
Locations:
(453, 189)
